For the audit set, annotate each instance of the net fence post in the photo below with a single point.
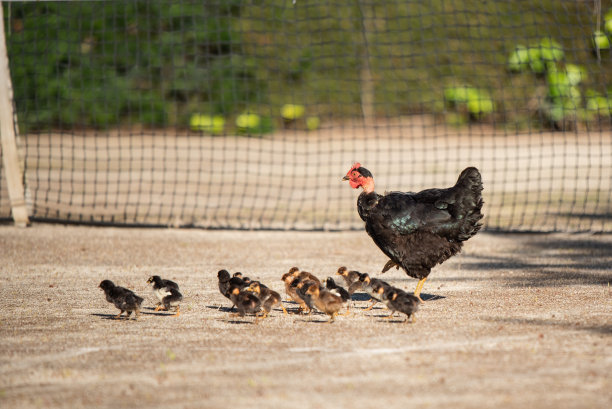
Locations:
(10, 154)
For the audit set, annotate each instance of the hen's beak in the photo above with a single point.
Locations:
(345, 178)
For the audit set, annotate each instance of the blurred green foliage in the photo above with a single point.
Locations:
(158, 62)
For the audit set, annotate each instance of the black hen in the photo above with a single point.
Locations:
(417, 231)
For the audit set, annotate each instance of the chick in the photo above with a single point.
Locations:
(269, 298)
(224, 282)
(325, 301)
(122, 298)
(160, 288)
(172, 299)
(301, 286)
(401, 301)
(245, 301)
(331, 285)
(288, 279)
(227, 283)
(305, 275)
(371, 286)
(351, 278)
(238, 274)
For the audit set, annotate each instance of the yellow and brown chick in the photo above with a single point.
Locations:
(351, 278)
(291, 291)
(228, 283)
(325, 301)
(301, 285)
(372, 286)
(245, 301)
(268, 298)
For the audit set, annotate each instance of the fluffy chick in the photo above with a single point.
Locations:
(122, 298)
(371, 286)
(269, 298)
(227, 283)
(238, 274)
(172, 299)
(351, 278)
(325, 301)
(331, 285)
(291, 291)
(245, 301)
(160, 288)
(301, 286)
(401, 301)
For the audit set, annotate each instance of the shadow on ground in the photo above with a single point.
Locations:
(602, 329)
(552, 262)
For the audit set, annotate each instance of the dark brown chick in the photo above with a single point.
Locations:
(227, 283)
(125, 300)
(269, 298)
(239, 275)
(325, 301)
(245, 301)
(401, 301)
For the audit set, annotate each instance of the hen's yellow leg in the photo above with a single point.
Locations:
(419, 287)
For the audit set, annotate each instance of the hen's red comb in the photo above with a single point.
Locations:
(356, 165)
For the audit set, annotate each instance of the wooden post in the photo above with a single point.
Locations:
(10, 155)
(366, 78)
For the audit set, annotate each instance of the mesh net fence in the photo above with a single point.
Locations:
(246, 114)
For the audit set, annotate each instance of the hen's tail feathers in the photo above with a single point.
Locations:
(469, 184)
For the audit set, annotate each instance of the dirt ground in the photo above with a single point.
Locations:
(515, 321)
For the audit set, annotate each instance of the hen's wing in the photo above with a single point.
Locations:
(406, 213)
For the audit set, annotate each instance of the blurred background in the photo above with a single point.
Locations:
(246, 114)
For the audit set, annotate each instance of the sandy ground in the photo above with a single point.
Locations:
(515, 321)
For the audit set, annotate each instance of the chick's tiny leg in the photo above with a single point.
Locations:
(419, 287)
(374, 302)
(348, 312)
(284, 310)
(118, 316)
(388, 317)
(159, 307)
(178, 311)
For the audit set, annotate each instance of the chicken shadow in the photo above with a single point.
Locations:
(550, 263)
(395, 320)
(360, 297)
(431, 297)
(159, 314)
(605, 329)
(237, 322)
(113, 317)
